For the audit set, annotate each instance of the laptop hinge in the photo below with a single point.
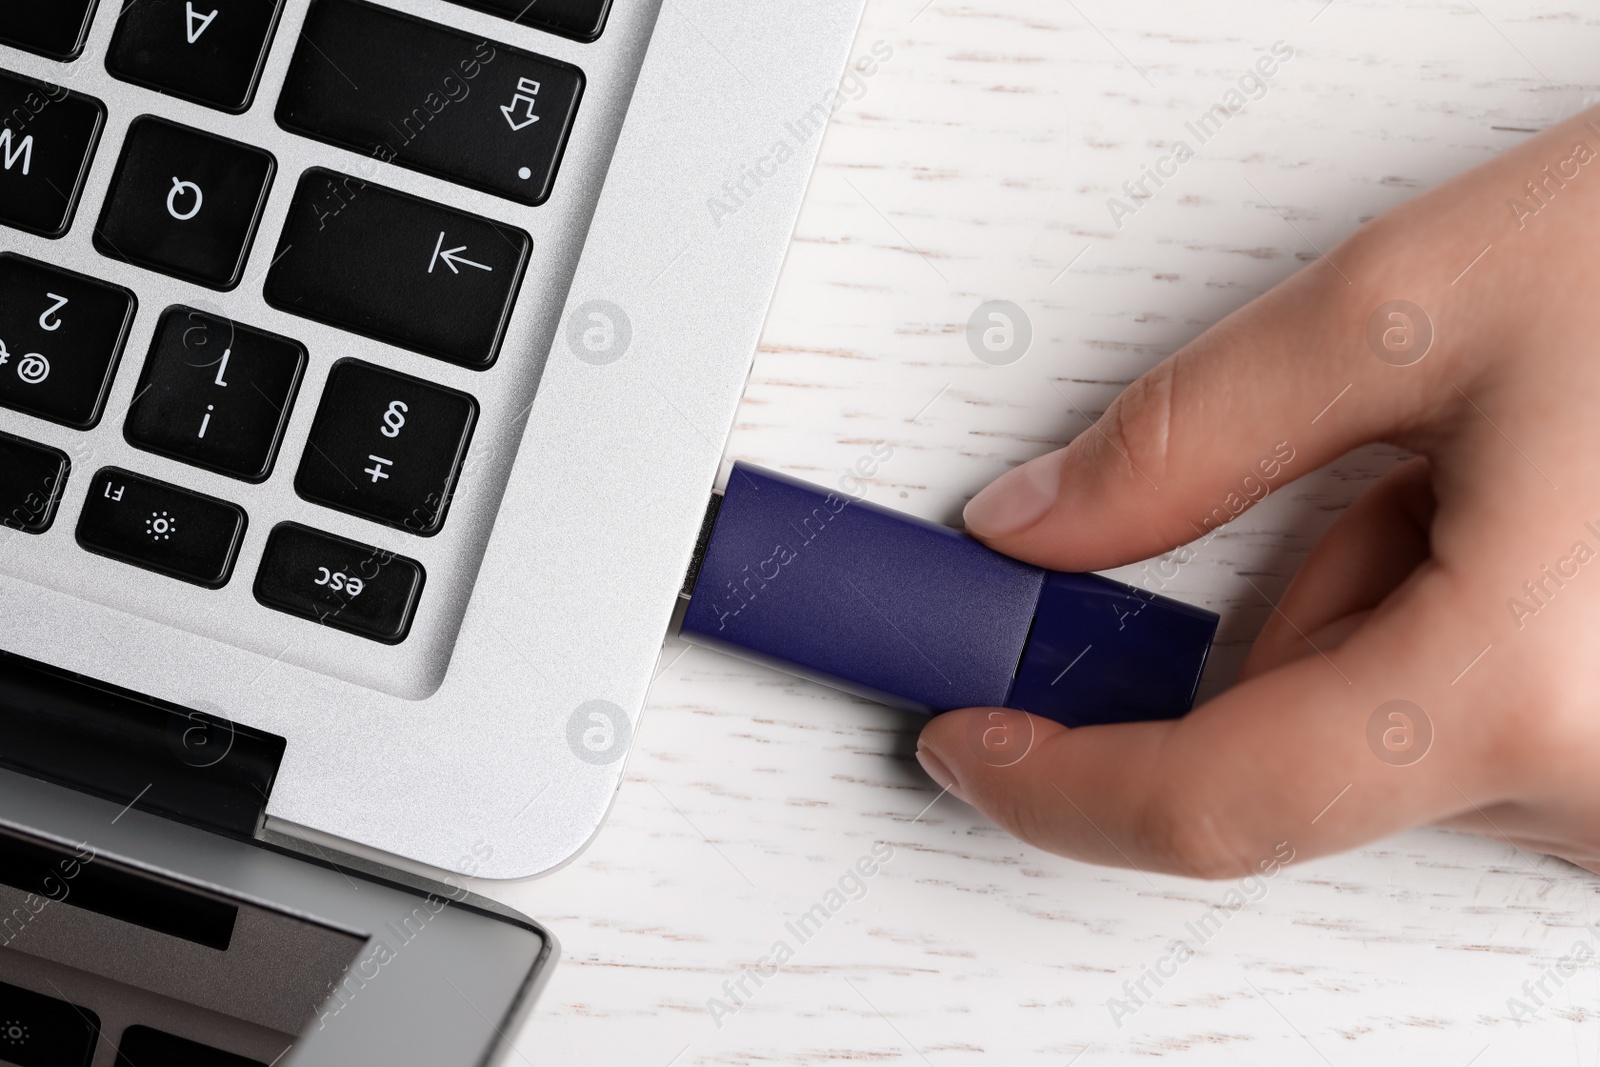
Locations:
(149, 754)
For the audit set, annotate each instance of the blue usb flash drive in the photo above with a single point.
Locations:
(920, 616)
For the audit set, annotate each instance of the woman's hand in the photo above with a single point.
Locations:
(1465, 584)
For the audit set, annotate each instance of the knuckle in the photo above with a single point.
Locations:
(1182, 837)
(1529, 737)
(1018, 813)
(1139, 423)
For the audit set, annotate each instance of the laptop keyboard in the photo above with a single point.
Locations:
(185, 200)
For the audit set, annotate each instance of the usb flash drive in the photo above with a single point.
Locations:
(920, 616)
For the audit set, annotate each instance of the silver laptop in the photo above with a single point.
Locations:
(365, 369)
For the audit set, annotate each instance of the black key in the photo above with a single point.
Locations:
(339, 583)
(386, 446)
(582, 20)
(46, 146)
(31, 479)
(161, 527)
(430, 98)
(54, 28)
(41, 1031)
(215, 393)
(184, 202)
(142, 1046)
(208, 51)
(60, 336)
(398, 268)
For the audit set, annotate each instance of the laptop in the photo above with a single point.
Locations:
(365, 370)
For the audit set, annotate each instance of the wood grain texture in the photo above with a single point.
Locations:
(975, 165)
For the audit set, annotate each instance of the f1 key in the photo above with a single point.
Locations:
(160, 527)
(404, 270)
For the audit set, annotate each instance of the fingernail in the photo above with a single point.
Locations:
(940, 773)
(1017, 499)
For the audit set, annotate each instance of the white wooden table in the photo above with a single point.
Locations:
(976, 165)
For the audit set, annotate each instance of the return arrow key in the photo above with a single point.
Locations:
(398, 268)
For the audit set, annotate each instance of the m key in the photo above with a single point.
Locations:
(46, 143)
(398, 268)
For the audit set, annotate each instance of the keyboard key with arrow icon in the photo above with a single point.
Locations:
(431, 98)
(397, 268)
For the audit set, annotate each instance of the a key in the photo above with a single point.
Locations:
(31, 479)
(53, 28)
(161, 527)
(215, 393)
(46, 144)
(60, 336)
(339, 583)
(143, 1046)
(395, 267)
(208, 51)
(386, 446)
(430, 98)
(581, 20)
(184, 203)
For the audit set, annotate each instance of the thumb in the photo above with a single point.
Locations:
(1214, 793)
(1246, 407)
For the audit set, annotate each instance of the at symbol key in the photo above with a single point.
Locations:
(60, 337)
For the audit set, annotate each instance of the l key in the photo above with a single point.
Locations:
(395, 267)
